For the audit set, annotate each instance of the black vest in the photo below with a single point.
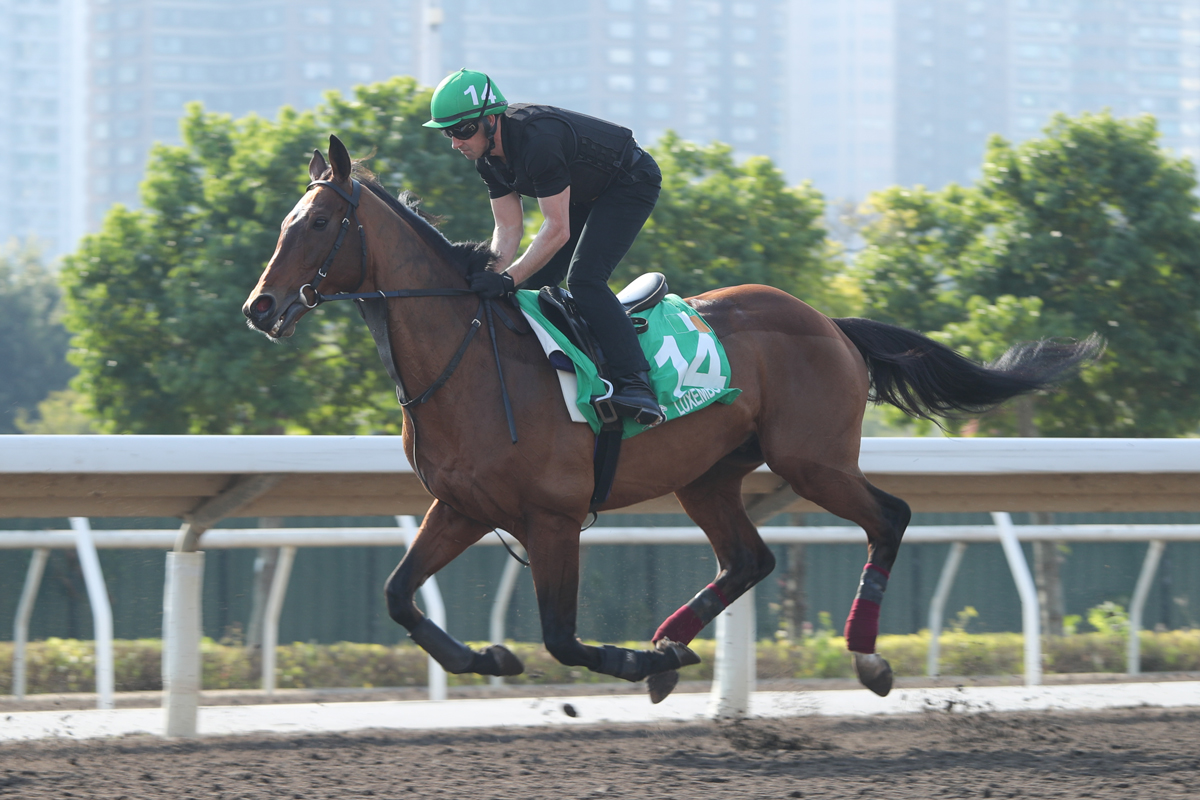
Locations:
(598, 152)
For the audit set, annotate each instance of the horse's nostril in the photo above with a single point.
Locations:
(263, 304)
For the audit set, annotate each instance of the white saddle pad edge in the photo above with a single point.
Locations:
(566, 380)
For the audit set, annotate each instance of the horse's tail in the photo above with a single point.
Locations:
(926, 379)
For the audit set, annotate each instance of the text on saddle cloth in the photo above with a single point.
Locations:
(688, 367)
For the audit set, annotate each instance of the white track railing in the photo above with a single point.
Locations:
(33, 581)
(436, 609)
(937, 606)
(1133, 654)
(182, 630)
(279, 583)
(734, 668)
(102, 621)
(1031, 614)
(205, 479)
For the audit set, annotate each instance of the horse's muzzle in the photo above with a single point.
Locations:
(261, 311)
(259, 308)
(264, 314)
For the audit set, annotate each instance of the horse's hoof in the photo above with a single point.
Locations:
(686, 656)
(874, 672)
(661, 684)
(507, 664)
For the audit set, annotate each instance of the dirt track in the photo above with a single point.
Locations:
(1126, 754)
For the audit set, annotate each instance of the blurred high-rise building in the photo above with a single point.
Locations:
(953, 67)
(854, 94)
(707, 69)
(841, 114)
(960, 70)
(41, 123)
(148, 58)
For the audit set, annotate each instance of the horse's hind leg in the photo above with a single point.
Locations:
(444, 534)
(552, 542)
(848, 494)
(714, 502)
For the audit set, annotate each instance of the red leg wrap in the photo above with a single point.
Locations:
(862, 626)
(682, 626)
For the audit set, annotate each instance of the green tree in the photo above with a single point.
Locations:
(154, 297)
(385, 118)
(62, 412)
(718, 224)
(33, 341)
(1091, 227)
(916, 244)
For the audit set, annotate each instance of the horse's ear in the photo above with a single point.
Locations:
(317, 167)
(339, 156)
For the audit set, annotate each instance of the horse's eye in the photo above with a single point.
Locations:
(319, 223)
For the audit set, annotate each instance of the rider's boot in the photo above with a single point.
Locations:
(632, 397)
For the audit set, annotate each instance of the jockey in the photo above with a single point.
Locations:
(595, 188)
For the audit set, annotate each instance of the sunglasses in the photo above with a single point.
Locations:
(463, 130)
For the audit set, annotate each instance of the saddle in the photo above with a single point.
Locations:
(560, 310)
(559, 307)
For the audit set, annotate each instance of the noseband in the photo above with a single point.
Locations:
(323, 272)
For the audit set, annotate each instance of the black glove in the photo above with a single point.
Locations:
(491, 284)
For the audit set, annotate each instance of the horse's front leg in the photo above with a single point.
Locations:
(444, 534)
(553, 547)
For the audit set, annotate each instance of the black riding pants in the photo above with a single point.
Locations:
(602, 232)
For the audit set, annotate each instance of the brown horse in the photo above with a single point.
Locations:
(805, 381)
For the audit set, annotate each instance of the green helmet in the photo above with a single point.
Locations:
(464, 95)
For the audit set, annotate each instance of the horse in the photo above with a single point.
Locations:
(805, 382)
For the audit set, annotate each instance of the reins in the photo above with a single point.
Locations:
(484, 309)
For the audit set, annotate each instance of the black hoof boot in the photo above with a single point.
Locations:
(496, 660)
(874, 672)
(632, 397)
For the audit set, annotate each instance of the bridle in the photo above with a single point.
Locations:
(484, 310)
(323, 272)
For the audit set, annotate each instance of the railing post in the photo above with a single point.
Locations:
(33, 581)
(496, 626)
(1031, 615)
(937, 606)
(181, 641)
(435, 608)
(270, 632)
(183, 600)
(1133, 650)
(102, 621)
(735, 664)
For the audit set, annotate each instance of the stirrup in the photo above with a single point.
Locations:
(606, 410)
(640, 414)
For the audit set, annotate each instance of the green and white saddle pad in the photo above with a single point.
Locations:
(688, 367)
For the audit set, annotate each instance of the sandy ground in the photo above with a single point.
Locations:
(1112, 754)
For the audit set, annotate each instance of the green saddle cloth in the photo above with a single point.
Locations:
(688, 368)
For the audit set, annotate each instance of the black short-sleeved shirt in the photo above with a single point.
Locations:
(540, 156)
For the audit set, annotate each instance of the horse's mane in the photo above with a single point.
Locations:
(468, 257)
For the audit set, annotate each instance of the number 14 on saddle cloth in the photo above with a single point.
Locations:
(688, 367)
